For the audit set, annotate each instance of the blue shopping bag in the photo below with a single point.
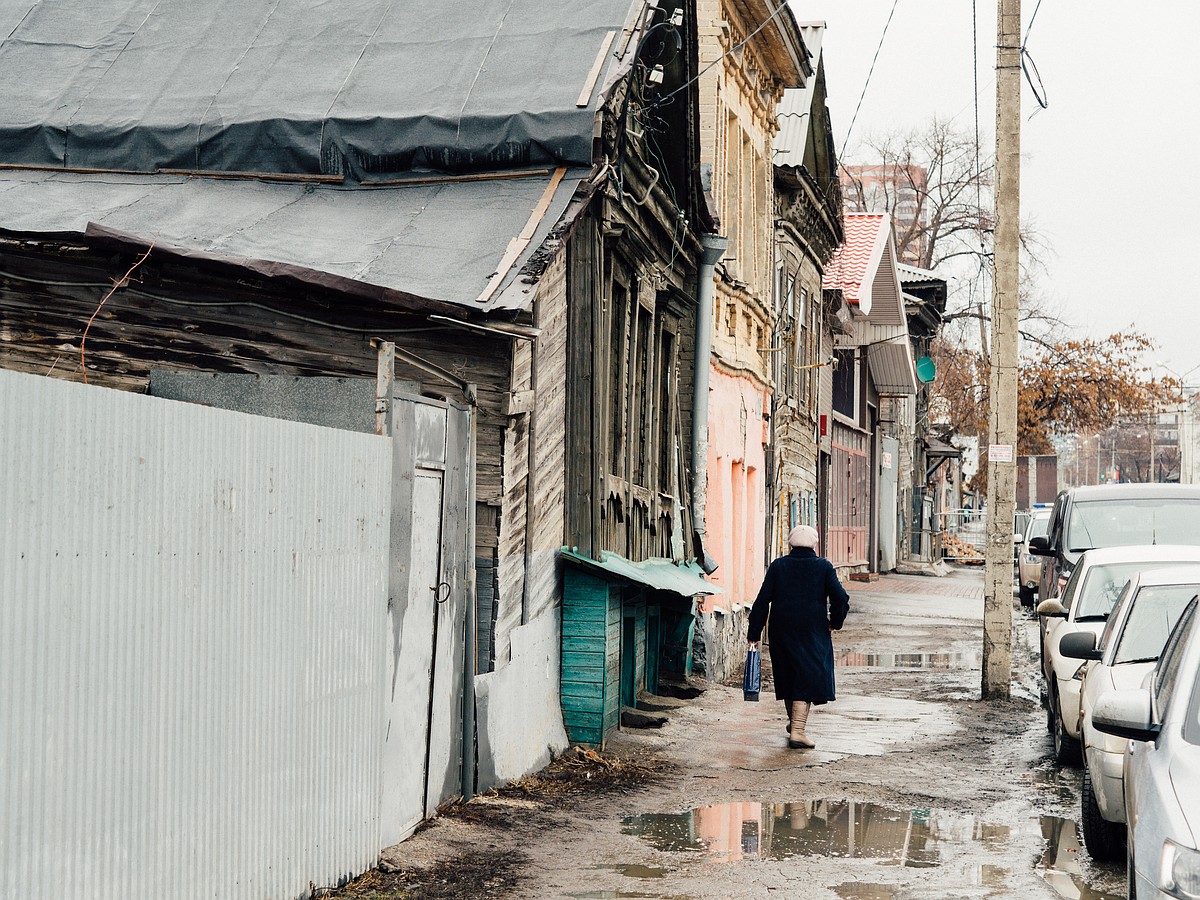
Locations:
(752, 680)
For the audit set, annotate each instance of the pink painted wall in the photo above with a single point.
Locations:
(736, 507)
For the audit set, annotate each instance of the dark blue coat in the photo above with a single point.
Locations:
(806, 601)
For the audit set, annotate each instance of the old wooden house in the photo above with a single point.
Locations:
(521, 221)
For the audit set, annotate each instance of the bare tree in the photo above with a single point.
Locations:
(936, 184)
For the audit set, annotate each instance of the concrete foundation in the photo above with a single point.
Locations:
(719, 646)
(518, 713)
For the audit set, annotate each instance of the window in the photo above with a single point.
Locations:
(643, 379)
(845, 383)
(1150, 620)
(618, 314)
(1172, 658)
(666, 411)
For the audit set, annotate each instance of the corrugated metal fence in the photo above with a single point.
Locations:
(193, 647)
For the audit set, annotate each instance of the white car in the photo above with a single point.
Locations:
(1084, 605)
(1130, 646)
(1029, 567)
(1161, 725)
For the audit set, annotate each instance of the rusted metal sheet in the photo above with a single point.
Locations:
(193, 651)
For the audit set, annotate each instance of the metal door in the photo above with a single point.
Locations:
(428, 605)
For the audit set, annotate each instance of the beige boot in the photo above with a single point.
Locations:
(797, 739)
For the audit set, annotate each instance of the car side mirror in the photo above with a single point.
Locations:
(1126, 714)
(1052, 608)
(1079, 645)
(1040, 546)
(1018, 537)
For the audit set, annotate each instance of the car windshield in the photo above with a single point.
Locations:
(1154, 612)
(1038, 527)
(1121, 523)
(1101, 587)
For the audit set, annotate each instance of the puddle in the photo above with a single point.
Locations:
(1059, 865)
(914, 838)
(636, 871)
(959, 660)
(857, 891)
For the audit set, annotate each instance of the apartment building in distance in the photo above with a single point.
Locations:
(900, 190)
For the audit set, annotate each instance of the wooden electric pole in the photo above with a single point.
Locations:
(1002, 431)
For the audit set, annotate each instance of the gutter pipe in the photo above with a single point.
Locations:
(714, 248)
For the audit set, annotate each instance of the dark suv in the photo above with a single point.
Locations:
(1113, 515)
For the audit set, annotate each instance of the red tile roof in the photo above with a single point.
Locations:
(847, 269)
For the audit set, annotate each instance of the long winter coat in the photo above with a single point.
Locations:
(802, 593)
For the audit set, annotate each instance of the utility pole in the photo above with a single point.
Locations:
(1002, 469)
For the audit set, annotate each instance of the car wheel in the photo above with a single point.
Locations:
(1066, 748)
(1026, 595)
(1104, 839)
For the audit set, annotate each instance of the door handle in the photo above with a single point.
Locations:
(437, 591)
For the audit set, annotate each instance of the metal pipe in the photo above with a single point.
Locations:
(714, 247)
(471, 644)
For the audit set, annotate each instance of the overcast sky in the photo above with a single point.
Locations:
(1109, 175)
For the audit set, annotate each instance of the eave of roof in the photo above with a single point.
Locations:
(456, 244)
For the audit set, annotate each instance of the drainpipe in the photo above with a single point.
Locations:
(714, 247)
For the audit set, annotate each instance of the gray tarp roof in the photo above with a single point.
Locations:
(367, 87)
(441, 242)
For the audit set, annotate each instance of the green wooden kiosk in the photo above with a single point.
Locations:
(624, 624)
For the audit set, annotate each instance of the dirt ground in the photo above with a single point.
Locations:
(916, 789)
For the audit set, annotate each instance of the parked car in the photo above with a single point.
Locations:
(1029, 567)
(1113, 515)
(1161, 724)
(1132, 641)
(1084, 606)
(1020, 521)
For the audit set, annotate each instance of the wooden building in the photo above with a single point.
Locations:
(808, 215)
(538, 271)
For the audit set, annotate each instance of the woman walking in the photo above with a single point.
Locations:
(806, 602)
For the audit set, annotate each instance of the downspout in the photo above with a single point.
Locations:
(714, 247)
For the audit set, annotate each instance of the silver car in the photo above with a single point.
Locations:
(1131, 644)
(1161, 725)
(1029, 567)
(1084, 605)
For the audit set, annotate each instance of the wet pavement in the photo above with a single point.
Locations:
(917, 789)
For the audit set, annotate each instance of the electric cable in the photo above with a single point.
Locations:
(861, 96)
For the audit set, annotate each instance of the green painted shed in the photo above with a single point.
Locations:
(624, 625)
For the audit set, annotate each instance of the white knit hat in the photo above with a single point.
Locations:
(804, 536)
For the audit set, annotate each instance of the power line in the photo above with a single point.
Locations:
(854, 118)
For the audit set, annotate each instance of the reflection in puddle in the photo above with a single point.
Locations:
(967, 660)
(836, 828)
(636, 871)
(1059, 865)
(856, 891)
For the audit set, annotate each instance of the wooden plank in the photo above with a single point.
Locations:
(590, 643)
(573, 703)
(579, 659)
(592, 689)
(578, 628)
